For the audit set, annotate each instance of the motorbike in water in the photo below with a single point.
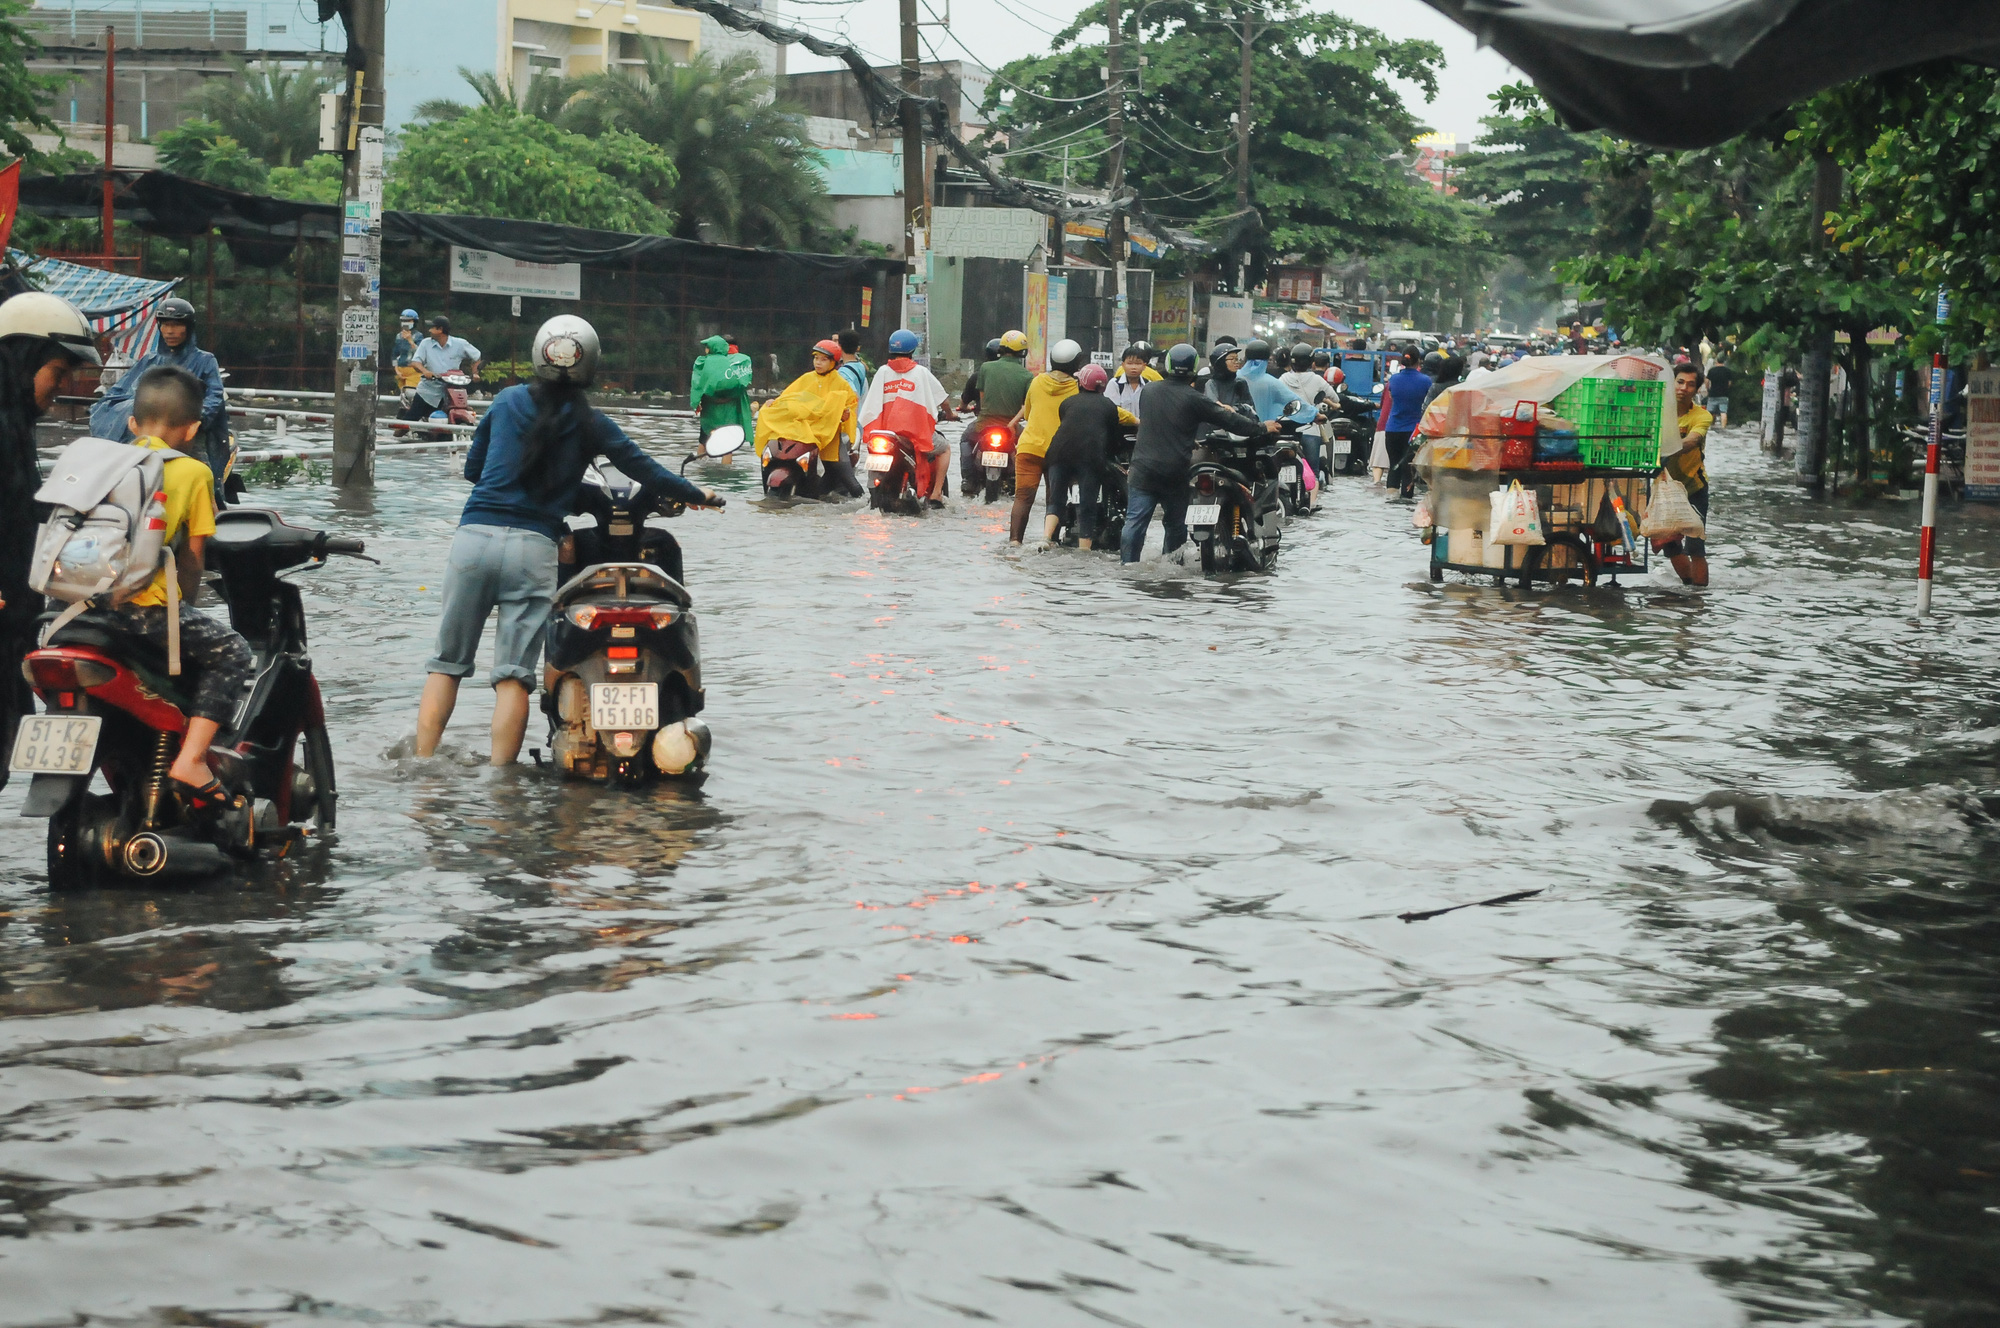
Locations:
(1111, 499)
(115, 710)
(457, 406)
(794, 470)
(1235, 517)
(993, 475)
(898, 476)
(1288, 462)
(624, 649)
(1354, 421)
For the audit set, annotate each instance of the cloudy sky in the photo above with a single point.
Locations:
(996, 31)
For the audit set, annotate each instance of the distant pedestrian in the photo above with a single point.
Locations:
(1720, 379)
(1403, 399)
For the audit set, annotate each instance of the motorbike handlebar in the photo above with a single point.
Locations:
(341, 544)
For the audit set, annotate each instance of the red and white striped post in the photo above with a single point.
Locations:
(1927, 542)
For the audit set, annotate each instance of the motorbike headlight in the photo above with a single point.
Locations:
(665, 615)
(583, 615)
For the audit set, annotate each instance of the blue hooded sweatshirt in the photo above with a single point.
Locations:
(1274, 400)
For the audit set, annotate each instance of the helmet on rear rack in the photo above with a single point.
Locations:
(902, 342)
(1065, 356)
(1092, 378)
(566, 351)
(1014, 343)
(1183, 360)
(51, 318)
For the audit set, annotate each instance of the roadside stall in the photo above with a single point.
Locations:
(1543, 471)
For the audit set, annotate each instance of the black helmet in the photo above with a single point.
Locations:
(1218, 358)
(1322, 358)
(1256, 349)
(174, 309)
(993, 349)
(1434, 363)
(1183, 360)
(1302, 357)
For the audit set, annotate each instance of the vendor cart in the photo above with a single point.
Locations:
(1584, 434)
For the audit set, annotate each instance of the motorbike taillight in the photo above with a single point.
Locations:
(1205, 483)
(881, 442)
(999, 439)
(64, 673)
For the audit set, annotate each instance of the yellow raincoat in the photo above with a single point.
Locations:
(818, 408)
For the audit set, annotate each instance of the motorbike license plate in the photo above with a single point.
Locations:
(1288, 475)
(1207, 514)
(1342, 446)
(625, 705)
(56, 744)
(880, 460)
(993, 459)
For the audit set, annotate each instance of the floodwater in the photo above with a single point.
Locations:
(1034, 956)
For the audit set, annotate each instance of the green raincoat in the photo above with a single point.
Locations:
(721, 389)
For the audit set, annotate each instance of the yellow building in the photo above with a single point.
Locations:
(571, 38)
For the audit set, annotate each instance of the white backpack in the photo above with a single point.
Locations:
(105, 537)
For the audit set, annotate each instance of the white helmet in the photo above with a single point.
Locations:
(50, 318)
(1065, 355)
(566, 351)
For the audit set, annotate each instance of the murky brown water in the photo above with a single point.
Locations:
(1033, 956)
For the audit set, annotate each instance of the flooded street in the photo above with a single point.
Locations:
(1033, 955)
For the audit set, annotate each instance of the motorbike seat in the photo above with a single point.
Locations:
(101, 631)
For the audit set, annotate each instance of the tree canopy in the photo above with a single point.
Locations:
(272, 111)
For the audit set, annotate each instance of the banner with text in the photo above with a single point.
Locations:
(483, 272)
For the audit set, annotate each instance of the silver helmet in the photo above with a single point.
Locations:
(566, 351)
(49, 318)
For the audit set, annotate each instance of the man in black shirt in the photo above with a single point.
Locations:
(1171, 413)
(1720, 378)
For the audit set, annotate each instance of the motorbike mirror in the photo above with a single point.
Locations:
(721, 442)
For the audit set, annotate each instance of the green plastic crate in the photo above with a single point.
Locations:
(1618, 420)
(1630, 452)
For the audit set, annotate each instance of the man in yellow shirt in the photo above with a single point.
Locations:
(1689, 465)
(166, 414)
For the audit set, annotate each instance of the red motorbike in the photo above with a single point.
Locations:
(114, 709)
(793, 470)
(899, 476)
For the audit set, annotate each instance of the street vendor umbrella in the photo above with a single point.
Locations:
(1690, 73)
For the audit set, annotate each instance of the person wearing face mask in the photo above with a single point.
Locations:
(404, 352)
(43, 341)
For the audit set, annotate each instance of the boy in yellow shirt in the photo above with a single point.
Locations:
(166, 414)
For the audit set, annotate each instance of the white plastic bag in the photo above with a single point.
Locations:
(1515, 518)
(1669, 514)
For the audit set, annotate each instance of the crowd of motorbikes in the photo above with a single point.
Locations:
(625, 691)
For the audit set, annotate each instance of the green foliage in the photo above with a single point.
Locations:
(1533, 177)
(272, 111)
(202, 150)
(318, 180)
(497, 162)
(1331, 136)
(23, 93)
(743, 171)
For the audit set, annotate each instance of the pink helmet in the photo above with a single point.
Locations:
(1092, 378)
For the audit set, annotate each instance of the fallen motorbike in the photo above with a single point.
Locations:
(624, 650)
(1235, 517)
(114, 710)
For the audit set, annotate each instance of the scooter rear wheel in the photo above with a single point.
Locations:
(319, 768)
(70, 867)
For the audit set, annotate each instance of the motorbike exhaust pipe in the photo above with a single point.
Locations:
(149, 854)
(681, 746)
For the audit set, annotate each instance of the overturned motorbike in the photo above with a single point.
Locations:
(624, 650)
(115, 709)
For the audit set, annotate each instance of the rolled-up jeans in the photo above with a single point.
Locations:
(1139, 505)
(502, 567)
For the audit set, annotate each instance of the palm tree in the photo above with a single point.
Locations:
(746, 172)
(272, 111)
(547, 94)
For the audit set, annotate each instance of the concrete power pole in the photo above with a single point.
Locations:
(1243, 152)
(354, 388)
(1816, 372)
(1114, 226)
(916, 183)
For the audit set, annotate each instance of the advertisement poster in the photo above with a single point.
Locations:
(483, 272)
(1173, 312)
(1058, 320)
(1228, 316)
(1982, 435)
(1036, 310)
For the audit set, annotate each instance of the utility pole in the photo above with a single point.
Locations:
(110, 114)
(1817, 372)
(916, 188)
(1114, 225)
(354, 389)
(1243, 152)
